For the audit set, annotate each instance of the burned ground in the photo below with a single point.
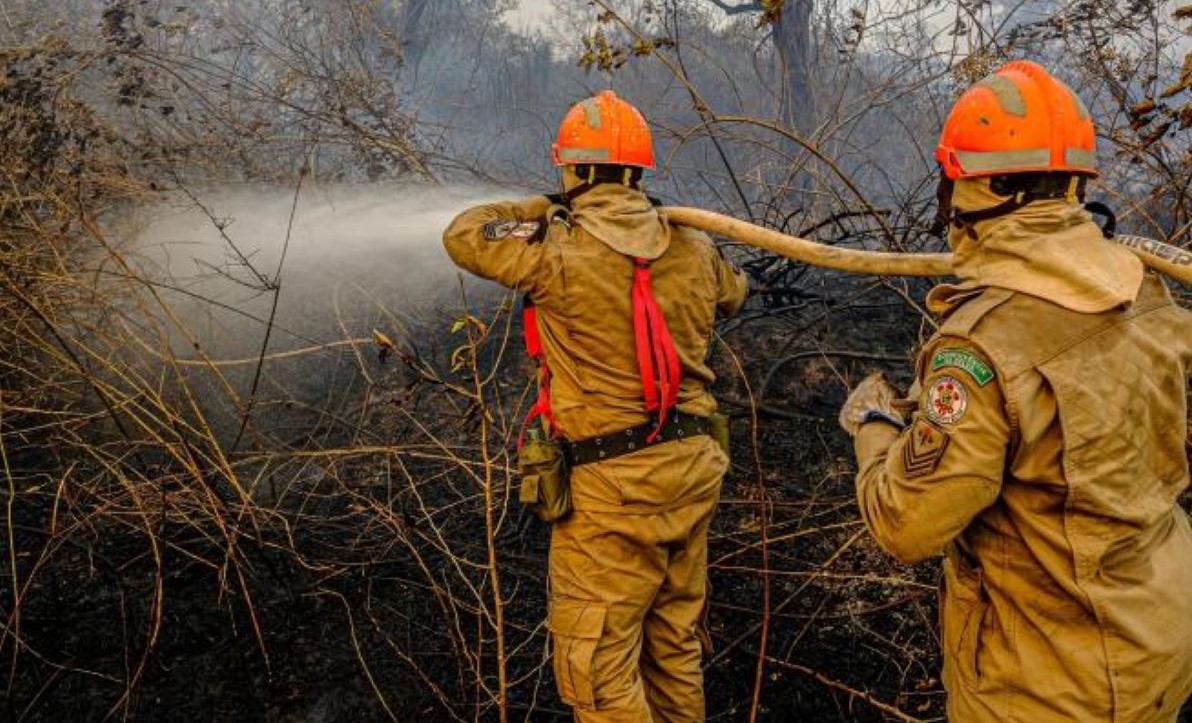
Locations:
(291, 502)
(353, 583)
(342, 597)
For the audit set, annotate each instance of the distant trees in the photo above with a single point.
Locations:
(816, 118)
(790, 23)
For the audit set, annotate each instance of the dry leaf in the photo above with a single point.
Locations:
(1185, 80)
(1143, 108)
(1157, 133)
(1141, 114)
(1186, 116)
(382, 341)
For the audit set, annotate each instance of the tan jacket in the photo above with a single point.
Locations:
(1045, 459)
(582, 289)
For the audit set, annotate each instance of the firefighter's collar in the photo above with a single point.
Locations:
(623, 219)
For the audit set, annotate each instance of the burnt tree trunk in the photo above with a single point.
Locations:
(791, 23)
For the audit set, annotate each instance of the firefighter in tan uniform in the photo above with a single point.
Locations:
(1047, 450)
(625, 309)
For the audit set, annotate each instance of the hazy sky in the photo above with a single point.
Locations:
(530, 12)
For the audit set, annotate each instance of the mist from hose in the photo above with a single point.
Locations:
(357, 258)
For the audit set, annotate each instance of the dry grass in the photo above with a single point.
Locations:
(359, 556)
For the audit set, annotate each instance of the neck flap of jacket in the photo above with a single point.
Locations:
(620, 217)
(1049, 249)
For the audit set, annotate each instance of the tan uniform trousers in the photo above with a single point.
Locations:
(628, 584)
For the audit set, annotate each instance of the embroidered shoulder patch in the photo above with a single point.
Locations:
(923, 451)
(503, 229)
(966, 360)
(947, 400)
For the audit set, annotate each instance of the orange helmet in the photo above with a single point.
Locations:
(1021, 119)
(604, 129)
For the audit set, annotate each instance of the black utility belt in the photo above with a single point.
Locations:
(598, 449)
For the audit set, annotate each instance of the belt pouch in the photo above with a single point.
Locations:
(545, 484)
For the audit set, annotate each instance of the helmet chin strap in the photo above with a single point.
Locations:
(592, 175)
(1100, 209)
(943, 206)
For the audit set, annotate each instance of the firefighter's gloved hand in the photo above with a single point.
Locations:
(873, 400)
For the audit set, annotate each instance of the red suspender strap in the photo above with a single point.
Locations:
(530, 329)
(541, 406)
(656, 355)
(657, 360)
(641, 332)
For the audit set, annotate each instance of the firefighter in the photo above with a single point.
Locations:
(1046, 447)
(625, 304)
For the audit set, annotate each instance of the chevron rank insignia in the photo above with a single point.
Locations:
(963, 359)
(922, 453)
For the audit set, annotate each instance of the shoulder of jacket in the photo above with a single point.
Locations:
(695, 243)
(963, 320)
(678, 229)
(690, 234)
(1019, 331)
(976, 326)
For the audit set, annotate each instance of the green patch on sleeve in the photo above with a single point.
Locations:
(965, 360)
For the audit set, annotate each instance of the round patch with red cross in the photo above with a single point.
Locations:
(947, 401)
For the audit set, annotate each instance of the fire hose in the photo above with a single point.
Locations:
(1170, 260)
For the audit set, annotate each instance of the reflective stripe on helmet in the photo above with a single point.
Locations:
(583, 155)
(1009, 97)
(1080, 158)
(1000, 161)
(591, 113)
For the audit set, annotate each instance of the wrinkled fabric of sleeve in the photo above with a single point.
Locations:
(732, 286)
(510, 261)
(912, 509)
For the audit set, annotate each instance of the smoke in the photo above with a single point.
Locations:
(357, 258)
